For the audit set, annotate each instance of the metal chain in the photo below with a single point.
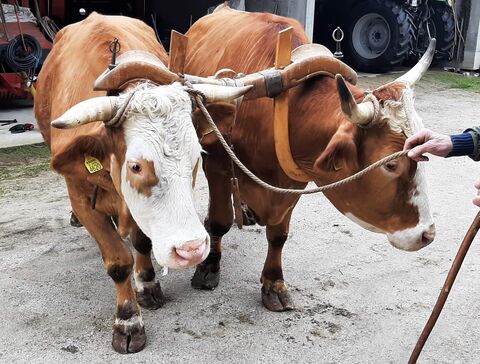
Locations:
(199, 98)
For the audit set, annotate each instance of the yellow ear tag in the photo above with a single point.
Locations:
(93, 164)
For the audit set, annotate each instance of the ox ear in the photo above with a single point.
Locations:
(223, 114)
(340, 155)
(71, 158)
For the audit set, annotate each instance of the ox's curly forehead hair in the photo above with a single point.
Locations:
(161, 117)
(400, 115)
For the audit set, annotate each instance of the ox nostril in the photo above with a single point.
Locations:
(192, 250)
(428, 235)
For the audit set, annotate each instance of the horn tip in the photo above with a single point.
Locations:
(59, 124)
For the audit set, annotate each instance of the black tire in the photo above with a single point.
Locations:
(378, 35)
(442, 19)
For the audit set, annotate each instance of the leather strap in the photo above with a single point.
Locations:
(281, 134)
(273, 82)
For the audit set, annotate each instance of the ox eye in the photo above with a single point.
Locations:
(391, 166)
(135, 167)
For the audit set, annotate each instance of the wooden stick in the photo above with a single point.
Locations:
(178, 52)
(447, 286)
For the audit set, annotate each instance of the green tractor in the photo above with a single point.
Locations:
(382, 34)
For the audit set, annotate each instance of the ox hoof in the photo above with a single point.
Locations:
(129, 335)
(151, 297)
(205, 277)
(275, 297)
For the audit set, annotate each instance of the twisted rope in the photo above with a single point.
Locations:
(199, 98)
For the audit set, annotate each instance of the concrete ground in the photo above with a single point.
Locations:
(23, 114)
(358, 299)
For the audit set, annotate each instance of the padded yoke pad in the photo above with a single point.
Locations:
(316, 59)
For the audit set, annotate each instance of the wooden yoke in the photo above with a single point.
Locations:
(178, 52)
(281, 134)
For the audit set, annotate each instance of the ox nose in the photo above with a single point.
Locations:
(191, 253)
(428, 235)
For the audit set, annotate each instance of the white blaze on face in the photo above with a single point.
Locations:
(159, 128)
(423, 234)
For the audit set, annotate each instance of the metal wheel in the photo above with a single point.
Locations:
(371, 36)
(378, 35)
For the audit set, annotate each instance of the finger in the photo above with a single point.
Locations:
(421, 158)
(476, 201)
(477, 185)
(416, 139)
(417, 152)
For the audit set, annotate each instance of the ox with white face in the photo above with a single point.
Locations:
(162, 151)
(153, 162)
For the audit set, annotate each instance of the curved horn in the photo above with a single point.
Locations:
(97, 109)
(360, 114)
(416, 73)
(131, 66)
(215, 93)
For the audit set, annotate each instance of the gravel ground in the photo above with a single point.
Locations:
(358, 299)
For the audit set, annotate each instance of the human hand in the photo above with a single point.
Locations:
(476, 200)
(427, 141)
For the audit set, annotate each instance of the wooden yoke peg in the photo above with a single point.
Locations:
(178, 52)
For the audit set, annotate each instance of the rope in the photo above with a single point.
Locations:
(199, 99)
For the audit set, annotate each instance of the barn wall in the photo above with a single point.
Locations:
(302, 10)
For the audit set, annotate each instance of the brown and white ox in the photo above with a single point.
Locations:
(145, 187)
(326, 142)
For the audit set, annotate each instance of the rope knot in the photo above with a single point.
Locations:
(196, 96)
(370, 97)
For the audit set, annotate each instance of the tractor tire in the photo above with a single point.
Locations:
(378, 35)
(444, 30)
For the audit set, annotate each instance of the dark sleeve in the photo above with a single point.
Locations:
(462, 145)
(475, 133)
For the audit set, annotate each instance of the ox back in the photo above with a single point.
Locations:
(80, 55)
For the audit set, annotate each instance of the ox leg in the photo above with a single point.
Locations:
(148, 291)
(128, 329)
(218, 223)
(275, 295)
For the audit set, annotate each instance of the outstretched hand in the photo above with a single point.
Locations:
(427, 141)
(476, 200)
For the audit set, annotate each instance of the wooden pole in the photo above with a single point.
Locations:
(447, 286)
(178, 52)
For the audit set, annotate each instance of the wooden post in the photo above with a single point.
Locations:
(282, 139)
(178, 52)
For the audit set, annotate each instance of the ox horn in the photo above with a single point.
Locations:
(215, 93)
(361, 114)
(102, 108)
(417, 72)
